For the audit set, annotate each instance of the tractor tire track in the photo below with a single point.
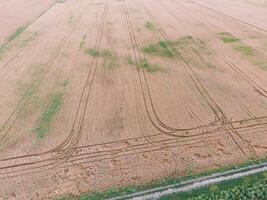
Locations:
(228, 128)
(165, 143)
(106, 155)
(210, 101)
(16, 53)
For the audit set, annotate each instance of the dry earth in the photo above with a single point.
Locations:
(107, 93)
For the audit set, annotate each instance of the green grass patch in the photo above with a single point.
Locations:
(253, 55)
(18, 43)
(145, 64)
(194, 52)
(163, 48)
(228, 38)
(150, 67)
(110, 60)
(82, 43)
(16, 33)
(151, 48)
(3, 50)
(98, 53)
(49, 114)
(92, 52)
(129, 61)
(240, 47)
(245, 50)
(150, 26)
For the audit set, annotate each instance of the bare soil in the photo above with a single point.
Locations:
(100, 94)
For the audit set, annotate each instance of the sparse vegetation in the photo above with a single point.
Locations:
(129, 60)
(70, 18)
(238, 44)
(245, 50)
(149, 67)
(28, 88)
(163, 48)
(19, 43)
(110, 60)
(194, 52)
(2, 51)
(82, 43)
(145, 64)
(262, 65)
(13, 36)
(92, 52)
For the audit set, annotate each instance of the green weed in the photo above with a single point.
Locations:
(245, 50)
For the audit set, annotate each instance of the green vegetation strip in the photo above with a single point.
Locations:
(16, 33)
(253, 187)
(44, 124)
(116, 192)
